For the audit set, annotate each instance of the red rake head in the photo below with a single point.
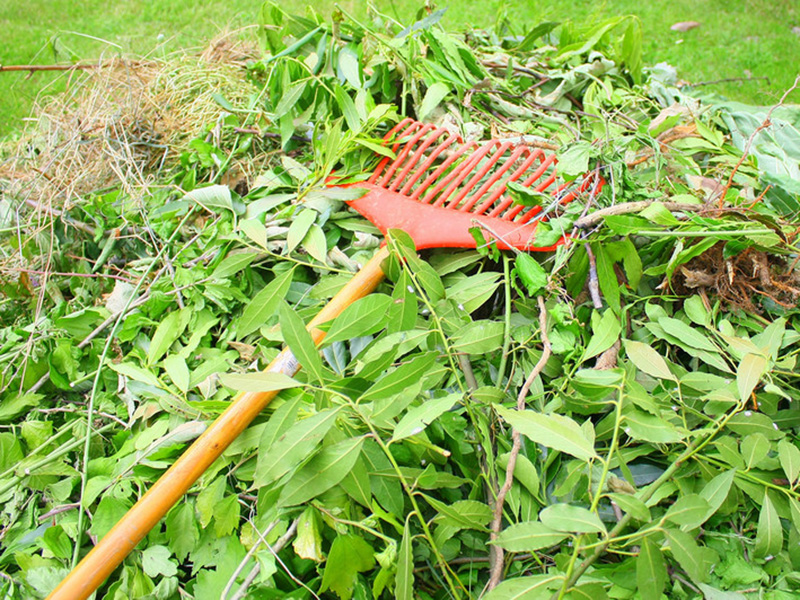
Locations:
(438, 187)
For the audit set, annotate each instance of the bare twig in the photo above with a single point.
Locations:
(241, 592)
(593, 219)
(75, 67)
(72, 409)
(594, 284)
(469, 374)
(724, 80)
(496, 552)
(767, 122)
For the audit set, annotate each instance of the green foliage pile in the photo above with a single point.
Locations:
(658, 449)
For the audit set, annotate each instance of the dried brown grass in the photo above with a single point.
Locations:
(121, 125)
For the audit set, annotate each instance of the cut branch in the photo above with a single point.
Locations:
(593, 219)
(496, 552)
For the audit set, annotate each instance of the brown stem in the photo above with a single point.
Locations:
(631, 207)
(496, 552)
(594, 283)
(75, 67)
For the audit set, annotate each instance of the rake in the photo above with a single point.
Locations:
(435, 189)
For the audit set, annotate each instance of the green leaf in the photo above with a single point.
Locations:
(478, 337)
(749, 373)
(695, 560)
(632, 505)
(363, 317)
(263, 381)
(155, 562)
(322, 472)
(574, 519)
(769, 536)
(463, 514)
(349, 67)
(648, 360)
(348, 108)
(289, 98)
(182, 533)
(531, 273)
(554, 431)
(404, 580)
(108, 513)
(212, 197)
(401, 378)
(315, 244)
(605, 331)
(308, 543)
(754, 449)
(349, 555)
(433, 97)
(300, 342)
(528, 536)
(688, 511)
(264, 304)
(169, 330)
(651, 573)
(643, 426)
(533, 587)
(716, 491)
(789, 456)
(293, 447)
(418, 418)
(232, 264)
(301, 223)
(748, 422)
(178, 372)
(686, 334)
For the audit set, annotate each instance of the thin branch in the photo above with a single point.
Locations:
(241, 592)
(724, 80)
(766, 123)
(593, 219)
(594, 284)
(75, 67)
(496, 552)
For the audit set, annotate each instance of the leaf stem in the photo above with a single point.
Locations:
(697, 444)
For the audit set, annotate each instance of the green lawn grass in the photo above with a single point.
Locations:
(737, 38)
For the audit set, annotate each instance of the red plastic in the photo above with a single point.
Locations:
(438, 187)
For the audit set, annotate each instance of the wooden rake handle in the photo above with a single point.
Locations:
(92, 571)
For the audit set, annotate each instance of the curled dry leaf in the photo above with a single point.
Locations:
(684, 26)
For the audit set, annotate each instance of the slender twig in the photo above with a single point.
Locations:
(724, 80)
(96, 384)
(697, 444)
(75, 67)
(496, 552)
(67, 274)
(232, 579)
(58, 510)
(241, 592)
(469, 374)
(594, 284)
(593, 219)
(767, 122)
(72, 409)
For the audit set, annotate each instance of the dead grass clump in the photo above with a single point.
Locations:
(121, 124)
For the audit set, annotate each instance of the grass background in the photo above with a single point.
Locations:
(737, 38)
